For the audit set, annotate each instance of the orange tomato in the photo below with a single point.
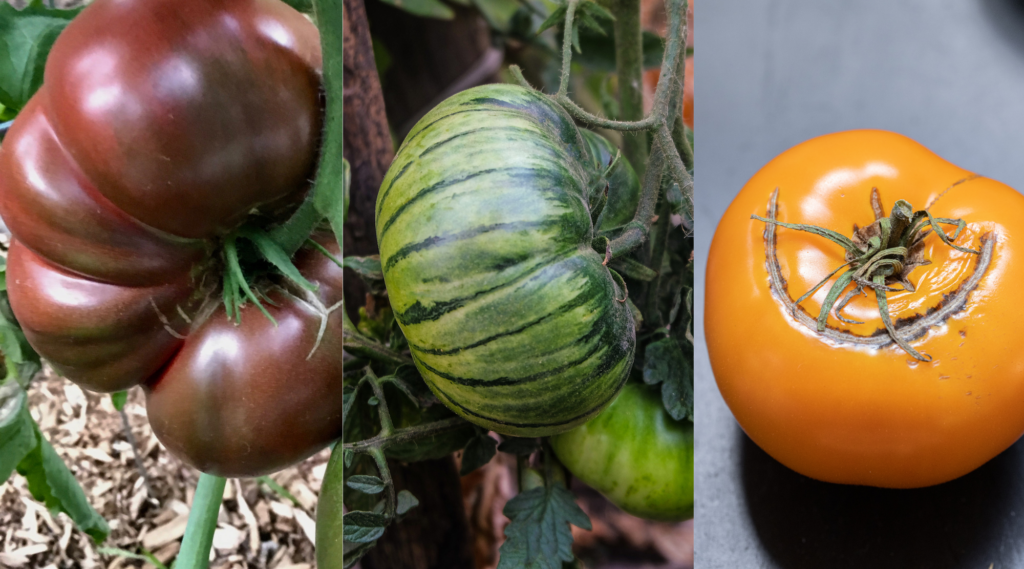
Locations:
(835, 409)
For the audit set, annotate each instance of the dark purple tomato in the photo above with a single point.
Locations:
(188, 114)
(56, 212)
(252, 398)
(159, 126)
(102, 336)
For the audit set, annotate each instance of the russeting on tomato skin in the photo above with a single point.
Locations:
(252, 398)
(160, 124)
(635, 454)
(847, 405)
(485, 234)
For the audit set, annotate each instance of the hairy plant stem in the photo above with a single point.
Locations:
(385, 476)
(629, 67)
(674, 45)
(570, 16)
(330, 176)
(372, 350)
(667, 98)
(399, 436)
(386, 425)
(662, 227)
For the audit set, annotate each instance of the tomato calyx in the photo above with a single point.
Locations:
(878, 256)
(252, 254)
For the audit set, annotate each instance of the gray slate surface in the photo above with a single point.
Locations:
(772, 73)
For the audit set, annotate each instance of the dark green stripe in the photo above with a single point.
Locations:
(417, 313)
(613, 355)
(515, 172)
(541, 111)
(442, 143)
(576, 302)
(384, 195)
(600, 405)
(431, 242)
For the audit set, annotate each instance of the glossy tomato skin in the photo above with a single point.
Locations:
(55, 211)
(187, 115)
(635, 454)
(244, 400)
(159, 125)
(858, 415)
(104, 337)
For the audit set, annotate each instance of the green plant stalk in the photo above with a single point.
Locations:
(202, 521)
(629, 61)
(660, 232)
(399, 436)
(663, 153)
(331, 172)
(373, 350)
(570, 15)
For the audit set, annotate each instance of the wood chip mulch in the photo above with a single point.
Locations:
(258, 528)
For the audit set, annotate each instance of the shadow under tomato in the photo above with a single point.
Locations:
(973, 521)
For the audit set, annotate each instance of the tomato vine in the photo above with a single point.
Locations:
(379, 375)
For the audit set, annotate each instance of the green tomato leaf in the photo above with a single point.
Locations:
(51, 483)
(519, 446)
(144, 556)
(26, 37)
(595, 11)
(556, 17)
(17, 433)
(21, 359)
(498, 13)
(332, 201)
(538, 533)
(425, 8)
(273, 253)
(633, 269)
(480, 450)
(597, 49)
(304, 6)
(365, 484)
(368, 268)
(406, 502)
(364, 527)
(665, 363)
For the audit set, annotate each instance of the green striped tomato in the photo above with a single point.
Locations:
(635, 454)
(484, 228)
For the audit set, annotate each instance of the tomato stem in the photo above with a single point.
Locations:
(878, 255)
(407, 434)
(202, 521)
(329, 184)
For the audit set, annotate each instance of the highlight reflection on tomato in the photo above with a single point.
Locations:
(856, 408)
